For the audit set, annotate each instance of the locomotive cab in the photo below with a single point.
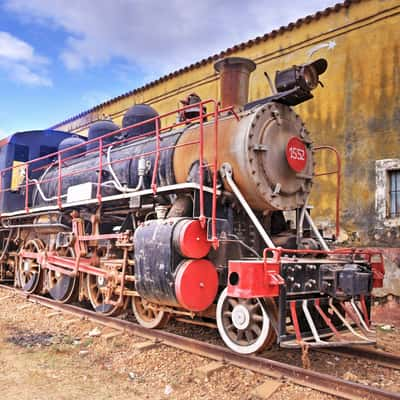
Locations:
(15, 152)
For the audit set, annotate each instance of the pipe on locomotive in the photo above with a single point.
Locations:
(141, 171)
(115, 182)
(234, 80)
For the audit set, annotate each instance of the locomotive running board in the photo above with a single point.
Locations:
(358, 336)
(145, 192)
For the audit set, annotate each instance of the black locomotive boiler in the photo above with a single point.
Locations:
(203, 220)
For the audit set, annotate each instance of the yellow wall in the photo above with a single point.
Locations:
(358, 111)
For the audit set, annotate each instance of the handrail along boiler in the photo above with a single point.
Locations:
(203, 220)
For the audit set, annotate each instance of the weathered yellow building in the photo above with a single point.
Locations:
(358, 110)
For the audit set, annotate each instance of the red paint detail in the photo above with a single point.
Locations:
(5, 141)
(214, 174)
(157, 157)
(365, 310)
(100, 173)
(196, 284)
(59, 181)
(250, 279)
(29, 254)
(378, 270)
(326, 319)
(296, 154)
(78, 230)
(295, 321)
(50, 260)
(26, 187)
(107, 236)
(201, 171)
(193, 241)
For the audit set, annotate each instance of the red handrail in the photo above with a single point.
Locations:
(338, 172)
(201, 171)
(31, 165)
(99, 178)
(157, 159)
(215, 167)
(26, 187)
(59, 183)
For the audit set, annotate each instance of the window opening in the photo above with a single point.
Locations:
(394, 193)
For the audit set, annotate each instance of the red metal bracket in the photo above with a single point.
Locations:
(254, 278)
(295, 321)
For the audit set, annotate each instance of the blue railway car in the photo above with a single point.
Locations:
(15, 151)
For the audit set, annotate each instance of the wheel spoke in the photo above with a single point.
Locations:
(256, 329)
(249, 335)
(232, 302)
(227, 314)
(257, 318)
(30, 280)
(230, 327)
(255, 307)
(243, 324)
(147, 315)
(239, 335)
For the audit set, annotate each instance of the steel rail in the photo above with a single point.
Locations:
(304, 377)
(383, 358)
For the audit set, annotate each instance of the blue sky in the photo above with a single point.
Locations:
(61, 57)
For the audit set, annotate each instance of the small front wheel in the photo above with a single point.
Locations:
(243, 324)
(149, 315)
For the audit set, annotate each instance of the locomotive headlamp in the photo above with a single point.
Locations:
(294, 85)
(302, 76)
(310, 77)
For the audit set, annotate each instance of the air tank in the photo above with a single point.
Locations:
(101, 128)
(136, 114)
(72, 141)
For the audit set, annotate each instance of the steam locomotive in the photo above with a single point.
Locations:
(205, 220)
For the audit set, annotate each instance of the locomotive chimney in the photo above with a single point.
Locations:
(234, 82)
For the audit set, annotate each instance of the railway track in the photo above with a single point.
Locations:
(322, 382)
(382, 358)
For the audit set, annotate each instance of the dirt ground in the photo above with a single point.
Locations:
(52, 357)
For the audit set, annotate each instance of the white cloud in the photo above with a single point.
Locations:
(14, 49)
(19, 60)
(22, 73)
(158, 36)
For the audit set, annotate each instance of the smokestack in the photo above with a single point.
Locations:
(234, 86)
